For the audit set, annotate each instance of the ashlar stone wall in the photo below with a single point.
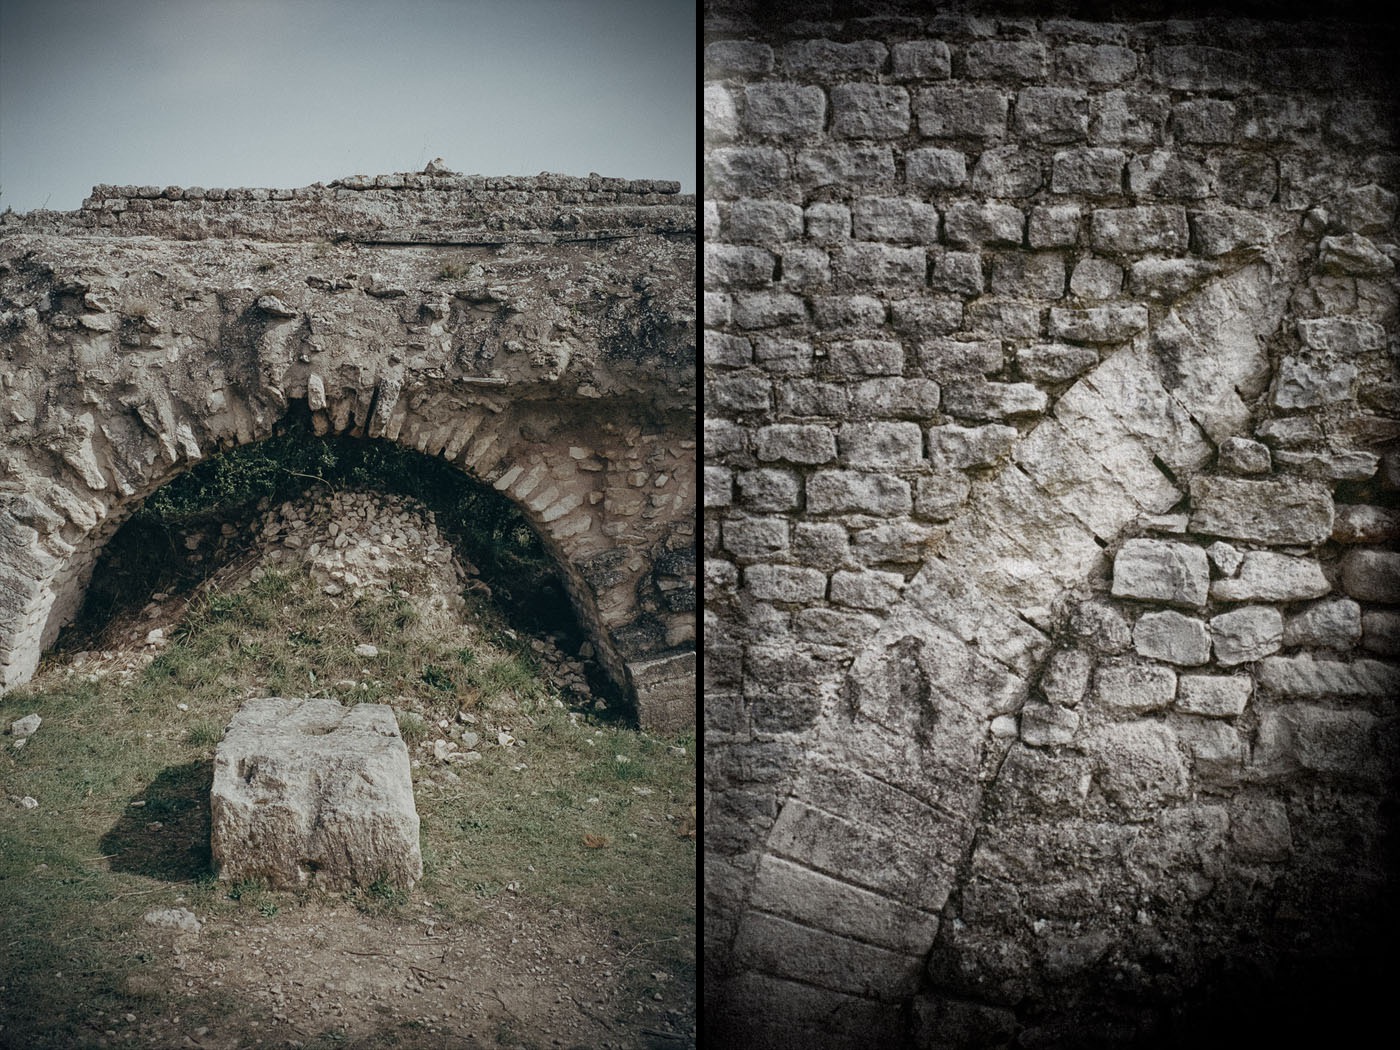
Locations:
(539, 333)
(1051, 504)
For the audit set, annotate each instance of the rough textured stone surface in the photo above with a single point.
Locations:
(1263, 511)
(1218, 696)
(1372, 576)
(1246, 634)
(1175, 573)
(537, 333)
(1265, 576)
(1157, 307)
(310, 793)
(1172, 637)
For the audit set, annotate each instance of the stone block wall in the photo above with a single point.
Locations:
(1051, 471)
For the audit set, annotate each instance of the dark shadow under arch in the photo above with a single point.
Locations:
(147, 554)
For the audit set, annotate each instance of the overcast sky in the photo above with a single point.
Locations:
(283, 93)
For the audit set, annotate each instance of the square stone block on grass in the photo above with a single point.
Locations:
(310, 793)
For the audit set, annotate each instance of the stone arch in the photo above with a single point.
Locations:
(557, 369)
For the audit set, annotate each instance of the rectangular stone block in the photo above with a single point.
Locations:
(792, 891)
(1281, 512)
(309, 793)
(1157, 570)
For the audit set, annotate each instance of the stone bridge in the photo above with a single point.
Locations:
(538, 333)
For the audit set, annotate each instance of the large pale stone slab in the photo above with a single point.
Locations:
(1285, 511)
(307, 792)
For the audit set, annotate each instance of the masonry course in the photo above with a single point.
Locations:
(1077, 482)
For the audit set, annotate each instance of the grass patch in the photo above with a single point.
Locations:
(574, 814)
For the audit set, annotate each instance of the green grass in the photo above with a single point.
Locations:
(77, 874)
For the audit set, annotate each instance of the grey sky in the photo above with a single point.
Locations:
(283, 93)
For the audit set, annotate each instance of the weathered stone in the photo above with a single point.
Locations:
(1215, 696)
(1259, 829)
(992, 400)
(785, 583)
(1225, 558)
(307, 792)
(1159, 570)
(1216, 749)
(1372, 576)
(1304, 383)
(1303, 736)
(1066, 677)
(958, 448)
(1242, 456)
(1171, 637)
(1269, 577)
(1055, 363)
(1247, 634)
(1341, 335)
(1305, 676)
(948, 112)
(1134, 686)
(935, 169)
(1362, 523)
(1334, 624)
(1046, 725)
(1353, 255)
(1129, 231)
(869, 111)
(1138, 764)
(1380, 632)
(1098, 324)
(847, 490)
(1279, 512)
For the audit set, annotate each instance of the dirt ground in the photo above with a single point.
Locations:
(323, 975)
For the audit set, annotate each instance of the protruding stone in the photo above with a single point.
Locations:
(1306, 676)
(1066, 677)
(1259, 829)
(1226, 559)
(1380, 632)
(307, 792)
(1242, 456)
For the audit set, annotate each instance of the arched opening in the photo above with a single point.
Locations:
(209, 526)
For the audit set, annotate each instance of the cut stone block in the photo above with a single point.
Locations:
(310, 793)
(1155, 570)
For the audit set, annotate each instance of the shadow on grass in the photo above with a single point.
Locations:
(168, 837)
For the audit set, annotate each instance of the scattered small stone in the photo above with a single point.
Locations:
(173, 918)
(26, 726)
(365, 649)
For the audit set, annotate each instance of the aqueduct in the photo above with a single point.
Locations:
(539, 333)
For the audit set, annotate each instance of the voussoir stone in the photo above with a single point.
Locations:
(307, 792)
